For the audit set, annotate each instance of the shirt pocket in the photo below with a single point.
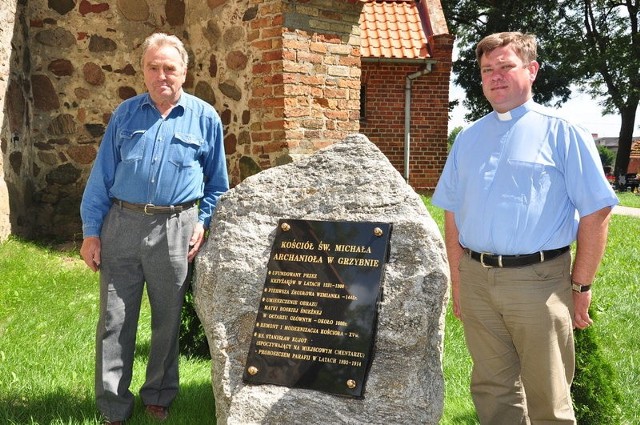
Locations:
(132, 145)
(530, 180)
(184, 149)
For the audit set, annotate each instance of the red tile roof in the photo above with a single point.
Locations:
(392, 29)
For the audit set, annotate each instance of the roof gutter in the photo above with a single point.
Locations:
(426, 62)
(407, 113)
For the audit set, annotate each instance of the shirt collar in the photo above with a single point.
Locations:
(517, 112)
(181, 105)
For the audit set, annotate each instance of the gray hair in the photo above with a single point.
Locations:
(160, 39)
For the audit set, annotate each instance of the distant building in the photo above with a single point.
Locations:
(634, 157)
(611, 143)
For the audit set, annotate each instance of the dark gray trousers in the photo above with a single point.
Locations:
(139, 248)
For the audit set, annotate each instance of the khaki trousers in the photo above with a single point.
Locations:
(518, 329)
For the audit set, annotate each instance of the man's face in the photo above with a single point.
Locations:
(506, 79)
(164, 74)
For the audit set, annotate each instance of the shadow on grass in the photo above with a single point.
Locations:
(194, 405)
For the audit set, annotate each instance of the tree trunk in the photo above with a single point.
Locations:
(628, 114)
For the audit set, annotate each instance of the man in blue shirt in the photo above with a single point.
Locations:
(521, 185)
(152, 191)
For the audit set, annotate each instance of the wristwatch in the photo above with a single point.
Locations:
(577, 287)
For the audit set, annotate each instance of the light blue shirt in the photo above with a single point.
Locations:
(518, 182)
(144, 158)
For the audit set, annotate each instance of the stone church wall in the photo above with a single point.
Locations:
(73, 61)
(14, 65)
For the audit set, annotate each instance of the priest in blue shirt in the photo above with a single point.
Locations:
(518, 188)
(158, 175)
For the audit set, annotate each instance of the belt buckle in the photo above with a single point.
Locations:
(148, 206)
(486, 265)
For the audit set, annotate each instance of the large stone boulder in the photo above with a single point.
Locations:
(348, 181)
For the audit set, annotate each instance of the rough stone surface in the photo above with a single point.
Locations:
(215, 3)
(126, 92)
(237, 60)
(64, 175)
(99, 44)
(134, 10)
(93, 74)
(68, 63)
(62, 124)
(229, 89)
(57, 37)
(87, 7)
(351, 181)
(62, 6)
(45, 97)
(61, 67)
(175, 12)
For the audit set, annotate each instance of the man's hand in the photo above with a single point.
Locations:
(197, 239)
(581, 303)
(455, 295)
(90, 252)
(454, 253)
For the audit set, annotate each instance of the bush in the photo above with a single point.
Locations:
(193, 341)
(595, 395)
(606, 156)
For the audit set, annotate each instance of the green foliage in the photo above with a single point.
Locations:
(193, 341)
(592, 44)
(48, 312)
(610, 345)
(606, 156)
(48, 316)
(595, 395)
(470, 21)
(452, 137)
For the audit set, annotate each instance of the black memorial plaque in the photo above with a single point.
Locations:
(317, 318)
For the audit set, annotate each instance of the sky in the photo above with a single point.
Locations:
(580, 109)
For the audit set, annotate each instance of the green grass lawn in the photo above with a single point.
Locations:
(48, 313)
(629, 199)
(616, 296)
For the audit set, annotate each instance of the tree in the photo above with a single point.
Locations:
(593, 44)
(470, 21)
(604, 44)
(606, 156)
(452, 136)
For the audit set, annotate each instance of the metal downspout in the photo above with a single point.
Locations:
(407, 116)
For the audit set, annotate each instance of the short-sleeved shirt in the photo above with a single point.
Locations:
(518, 182)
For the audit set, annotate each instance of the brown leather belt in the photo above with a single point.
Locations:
(493, 260)
(150, 209)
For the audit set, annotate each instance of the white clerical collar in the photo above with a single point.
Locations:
(504, 116)
(516, 112)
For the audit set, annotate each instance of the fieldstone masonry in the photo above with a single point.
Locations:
(10, 118)
(283, 75)
(349, 181)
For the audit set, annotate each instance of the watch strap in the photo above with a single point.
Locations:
(580, 288)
